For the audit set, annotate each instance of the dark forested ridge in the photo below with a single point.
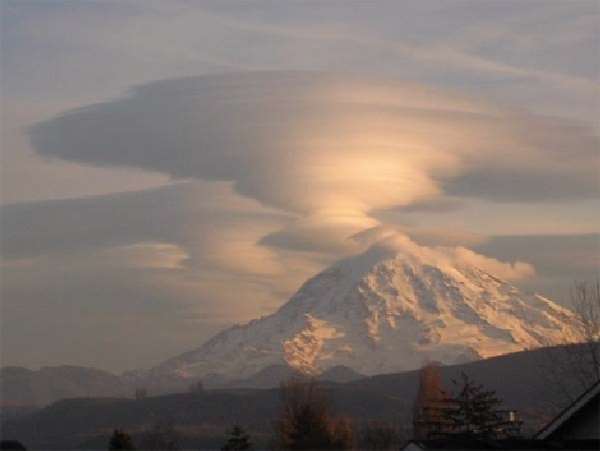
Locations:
(202, 417)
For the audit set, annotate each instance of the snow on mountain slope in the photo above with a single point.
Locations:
(389, 309)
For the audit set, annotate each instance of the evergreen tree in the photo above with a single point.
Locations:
(120, 440)
(238, 440)
(474, 412)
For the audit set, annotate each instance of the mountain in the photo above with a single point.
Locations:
(390, 309)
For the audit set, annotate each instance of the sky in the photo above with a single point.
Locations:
(171, 168)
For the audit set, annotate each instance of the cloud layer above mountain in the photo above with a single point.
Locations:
(329, 146)
(328, 151)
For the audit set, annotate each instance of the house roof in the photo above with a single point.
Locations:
(506, 444)
(569, 411)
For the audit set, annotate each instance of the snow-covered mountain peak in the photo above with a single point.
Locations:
(391, 308)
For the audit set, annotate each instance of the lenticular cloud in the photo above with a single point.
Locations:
(328, 148)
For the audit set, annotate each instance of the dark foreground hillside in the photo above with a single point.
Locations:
(202, 418)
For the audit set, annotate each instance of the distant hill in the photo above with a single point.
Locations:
(22, 387)
(203, 418)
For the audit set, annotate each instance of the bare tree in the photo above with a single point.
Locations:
(306, 421)
(574, 365)
(585, 300)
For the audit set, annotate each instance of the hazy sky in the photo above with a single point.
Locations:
(171, 167)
